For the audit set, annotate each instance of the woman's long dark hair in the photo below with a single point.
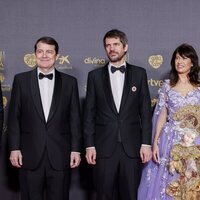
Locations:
(185, 50)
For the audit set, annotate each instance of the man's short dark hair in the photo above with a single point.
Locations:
(115, 33)
(47, 40)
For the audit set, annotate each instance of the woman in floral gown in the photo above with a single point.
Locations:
(178, 107)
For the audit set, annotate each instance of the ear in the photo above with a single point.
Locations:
(126, 48)
(57, 56)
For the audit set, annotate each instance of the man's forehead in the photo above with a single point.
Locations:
(112, 39)
(45, 45)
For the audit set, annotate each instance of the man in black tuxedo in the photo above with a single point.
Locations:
(117, 122)
(44, 127)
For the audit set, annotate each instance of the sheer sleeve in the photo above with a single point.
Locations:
(161, 106)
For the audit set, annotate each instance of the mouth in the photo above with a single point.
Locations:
(44, 60)
(112, 53)
(180, 66)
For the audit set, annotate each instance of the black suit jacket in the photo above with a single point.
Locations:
(29, 132)
(102, 122)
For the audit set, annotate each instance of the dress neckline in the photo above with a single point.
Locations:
(185, 96)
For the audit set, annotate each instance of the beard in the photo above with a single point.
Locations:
(117, 58)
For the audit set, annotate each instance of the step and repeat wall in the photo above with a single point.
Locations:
(154, 29)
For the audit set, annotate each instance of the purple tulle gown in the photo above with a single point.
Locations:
(156, 177)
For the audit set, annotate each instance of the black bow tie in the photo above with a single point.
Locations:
(122, 69)
(49, 76)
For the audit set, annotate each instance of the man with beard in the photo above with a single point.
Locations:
(117, 122)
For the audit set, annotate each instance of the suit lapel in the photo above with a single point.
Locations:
(127, 86)
(56, 95)
(35, 92)
(107, 88)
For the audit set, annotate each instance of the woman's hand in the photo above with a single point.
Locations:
(156, 155)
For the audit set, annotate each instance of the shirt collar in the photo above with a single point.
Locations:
(51, 72)
(110, 64)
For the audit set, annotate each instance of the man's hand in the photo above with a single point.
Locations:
(16, 158)
(75, 159)
(91, 155)
(145, 154)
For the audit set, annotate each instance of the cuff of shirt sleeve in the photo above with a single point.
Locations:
(90, 147)
(146, 145)
(75, 152)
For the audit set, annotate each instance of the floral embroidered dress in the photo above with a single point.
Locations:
(183, 111)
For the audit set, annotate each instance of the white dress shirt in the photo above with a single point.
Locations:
(46, 87)
(117, 84)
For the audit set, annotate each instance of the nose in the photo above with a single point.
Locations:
(179, 60)
(111, 47)
(44, 54)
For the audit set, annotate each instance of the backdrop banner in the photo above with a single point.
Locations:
(154, 29)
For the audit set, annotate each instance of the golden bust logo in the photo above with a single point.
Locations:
(153, 102)
(2, 59)
(30, 60)
(155, 61)
(2, 77)
(5, 101)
